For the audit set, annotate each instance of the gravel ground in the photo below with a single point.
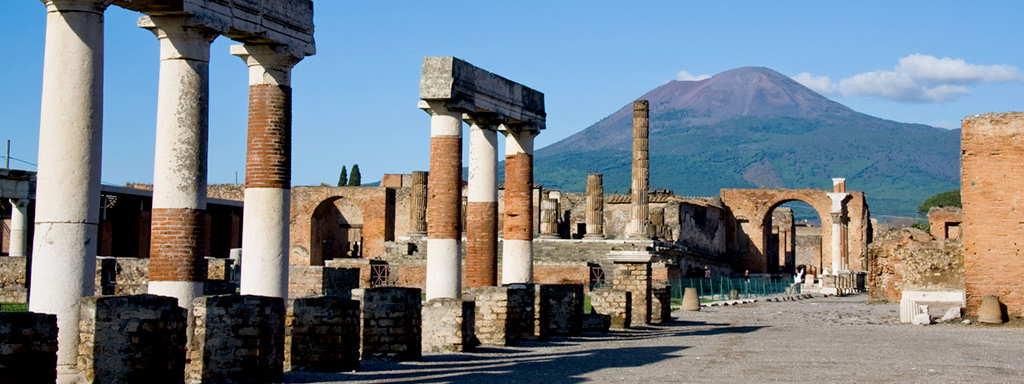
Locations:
(821, 340)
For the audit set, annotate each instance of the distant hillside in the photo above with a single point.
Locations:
(754, 127)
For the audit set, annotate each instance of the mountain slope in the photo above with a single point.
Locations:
(753, 127)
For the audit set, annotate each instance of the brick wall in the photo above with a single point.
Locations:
(910, 259)
(992, 160)
(322, 334)
(944, 222)
(390, 323)
(28, 347)
(236, 338)
(131, 339)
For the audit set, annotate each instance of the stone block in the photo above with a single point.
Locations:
(661, 305)
(559, 310)
(131, 339)
(314, 281)
(448, 325)
(614, 303)
(390, 323)
(28, 347)
(503, 314)
(322, 334)
(236, 339)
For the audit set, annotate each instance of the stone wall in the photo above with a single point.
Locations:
(661, 305)
(390, 323)
(636, 279)
(910, 259)
(28, 347)
(322, 334)
(320, 214)
(132, 339)
(121, 276)
(616, 304)
(13, 279)
(448, 325)
(236, 339)
(503, 314)
(314, 281)
(703, 226)
(944, 222)
(559, 310)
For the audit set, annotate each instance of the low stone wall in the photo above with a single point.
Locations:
(322, 335)
(390, 323)
(448, 325)
(28, 347)
(314, 281)
(121, 276)
(614, 303)
(236, 338)
(132, 339)
(559, 309)
(661, 305)
(636, 279)
(503, 314)
(13, 279)
(365, 267)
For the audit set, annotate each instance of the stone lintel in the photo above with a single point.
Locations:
(620, 257)
(465, 87)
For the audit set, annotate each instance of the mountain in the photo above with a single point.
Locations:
(754, 127)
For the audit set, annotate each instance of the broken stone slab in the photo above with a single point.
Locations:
(953, 313)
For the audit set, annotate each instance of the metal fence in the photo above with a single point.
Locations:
(719, 288)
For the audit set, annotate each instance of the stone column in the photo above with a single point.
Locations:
(444, 203)
(638, 227)
(595, 206)
(19, 228)
(267, 170)
(177, 266)
(548, 218)
(68, 182)
(838, 221)
(517, 250)
(418, 204)
(482, 206)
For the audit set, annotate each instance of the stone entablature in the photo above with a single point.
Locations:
(465, 87)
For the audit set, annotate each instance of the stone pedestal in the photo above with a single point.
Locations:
(236, 339)
(634, 275)
(315, 281)
(448, 326)
(559, 310)
(616, 304)
(661, 305)
(390, 323)
(322, 335)
(132, 339)
(503, 314)
(28, 347)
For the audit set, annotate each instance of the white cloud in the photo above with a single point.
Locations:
(686, 76)
(916, 78)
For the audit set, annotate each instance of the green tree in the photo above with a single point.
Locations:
(944, 199)
(343, 177)
(356, 179)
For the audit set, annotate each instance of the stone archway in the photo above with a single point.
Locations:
(750, 209)
(326, 221)
(335, 230)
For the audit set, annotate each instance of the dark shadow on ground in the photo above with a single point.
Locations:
(518, 364)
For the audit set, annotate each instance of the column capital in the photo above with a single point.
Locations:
(268, 64)
(483, 120)
(94, 6)
(838, 198)
(181, 37)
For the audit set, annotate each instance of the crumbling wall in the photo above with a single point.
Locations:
(13, 279)
(910, 259)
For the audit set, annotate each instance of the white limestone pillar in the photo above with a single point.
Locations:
(444, 204)
(838, 217)
(517, 249)
(19, 228)
(177, 266)
(482, 205)
(265, 234)
(68, 182)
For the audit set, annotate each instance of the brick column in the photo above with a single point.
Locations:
(177, 266)
(68, 182)
(638, 227)
(595, 206)
(482, 206)
(418, 204)
(517, 250)
(444, 203)
(19, 228)
(268, 163)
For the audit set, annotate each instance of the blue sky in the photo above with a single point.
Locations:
(355, 101)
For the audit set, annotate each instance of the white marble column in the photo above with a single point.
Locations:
(444, 204)
(177, 265)
(68, 182)
(19, 228)
(517, 248)
(838, 217)
(265, 234)
(482, 205)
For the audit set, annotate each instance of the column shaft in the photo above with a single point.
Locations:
(837, 243)
(418, 204)
(19, 228)
(68, 182)
(639, 211)
(517, 250)
(482, 208)
(595, 206)
(177, 267)
(265, 235)
(444, 204)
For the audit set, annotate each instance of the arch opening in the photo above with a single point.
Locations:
(336, 228)
(793, 238)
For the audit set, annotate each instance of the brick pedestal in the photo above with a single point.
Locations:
(132, 339)
(322, 335)
(636, 278)
(236, 339)
(503, 314)
(390, 323)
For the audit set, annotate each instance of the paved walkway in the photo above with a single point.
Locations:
(822, 340)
